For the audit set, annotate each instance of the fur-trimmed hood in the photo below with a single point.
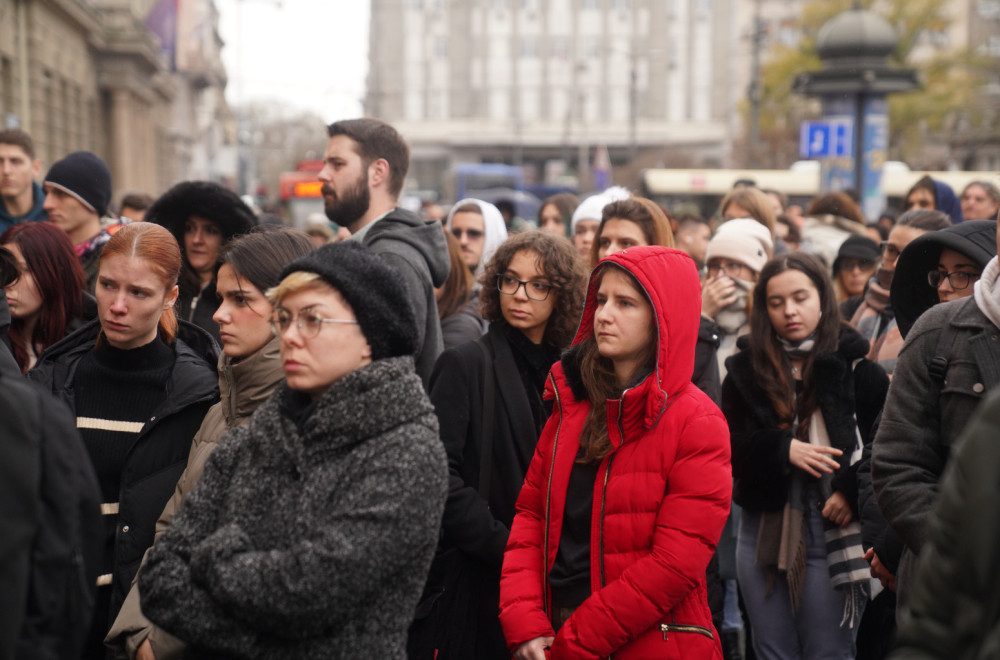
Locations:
(206, 200)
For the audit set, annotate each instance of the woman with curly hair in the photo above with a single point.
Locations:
(488, 398)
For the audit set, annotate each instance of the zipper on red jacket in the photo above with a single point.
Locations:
(604, 488)
(548, 503)
(684, 628)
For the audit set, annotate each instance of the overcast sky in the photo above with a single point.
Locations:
(308, 54)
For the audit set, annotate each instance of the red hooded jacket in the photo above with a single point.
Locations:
(660, 499)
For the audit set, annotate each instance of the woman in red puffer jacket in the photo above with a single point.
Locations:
(629, 487)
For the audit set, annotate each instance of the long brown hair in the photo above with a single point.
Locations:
(598, 376)
(159, 249)
(771, 366)
(755, 202)
(458, 287)
(653, 222)
(49, 257)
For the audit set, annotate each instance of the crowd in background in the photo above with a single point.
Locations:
(606, 430)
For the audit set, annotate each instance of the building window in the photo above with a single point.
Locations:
(416, 4)
(529, 47)
(619, 4)
(988, 8)
(592, 47)
(559, 47)
(589, 4)
(441, 47)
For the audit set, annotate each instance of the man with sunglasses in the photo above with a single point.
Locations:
(364, 166)
(949, 361)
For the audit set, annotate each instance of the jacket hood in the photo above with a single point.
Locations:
(494, 229)
(427, 238)
(669, 279)
(911, 294)
(205, 200)
(947, 201)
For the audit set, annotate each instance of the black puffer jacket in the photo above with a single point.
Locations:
(911, 294)
(157, 459)
(761, 468)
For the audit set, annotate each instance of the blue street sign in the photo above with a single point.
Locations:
(824, 139)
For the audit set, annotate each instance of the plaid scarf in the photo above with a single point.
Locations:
(844, 553)
(781, 540)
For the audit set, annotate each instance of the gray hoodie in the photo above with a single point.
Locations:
(419, 251)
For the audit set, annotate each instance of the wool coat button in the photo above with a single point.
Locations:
(124, 529)
(978, 388)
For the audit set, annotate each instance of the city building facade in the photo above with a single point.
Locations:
(547, 83)
(93, 75)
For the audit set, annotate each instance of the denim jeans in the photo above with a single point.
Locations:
(814, 632)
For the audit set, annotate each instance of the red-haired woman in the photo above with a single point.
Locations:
(139, 385)
(629, 487)
(51, 279)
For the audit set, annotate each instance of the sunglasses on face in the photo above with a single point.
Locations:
(473, 234)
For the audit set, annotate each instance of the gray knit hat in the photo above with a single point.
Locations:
(375, 291)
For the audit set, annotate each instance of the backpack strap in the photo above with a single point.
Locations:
(938, 366)
(489, 412)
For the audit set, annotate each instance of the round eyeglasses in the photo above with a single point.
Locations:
(308, 322)
(509, 285)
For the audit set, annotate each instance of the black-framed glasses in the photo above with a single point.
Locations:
(958, 280)
(889, 251)
(730, 268)
(473, 234)
(509, 285)
(308, 321)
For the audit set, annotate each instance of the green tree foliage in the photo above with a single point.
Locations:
(947, 103)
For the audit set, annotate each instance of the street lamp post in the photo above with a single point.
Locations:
(855, 79)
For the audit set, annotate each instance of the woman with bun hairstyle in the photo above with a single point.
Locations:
(203, 217)
(48, 300)
(249, 371)
(139, 389)
(798, 400)
(629, 487)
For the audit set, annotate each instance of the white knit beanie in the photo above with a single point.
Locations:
(744, 240)
(591, 208)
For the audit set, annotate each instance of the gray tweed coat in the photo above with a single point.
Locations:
(311, 543)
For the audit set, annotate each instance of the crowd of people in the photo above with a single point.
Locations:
(604, 432)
